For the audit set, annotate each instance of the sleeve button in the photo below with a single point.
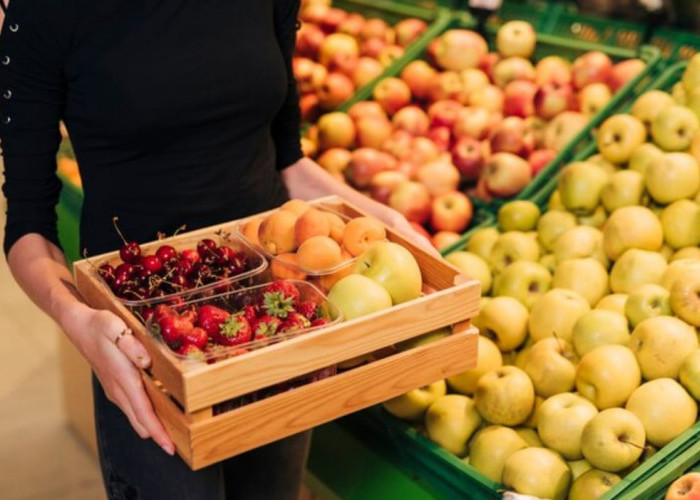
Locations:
(7, 94)
(6, 60)
(14, 28)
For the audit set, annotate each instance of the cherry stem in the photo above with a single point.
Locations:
(92, 264)
(115, 219)
(180, 229)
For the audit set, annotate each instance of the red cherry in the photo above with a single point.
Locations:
(107, 273)
(125, 269)
(206, 247)
(191, 256)
(152, 263)
(166, 253)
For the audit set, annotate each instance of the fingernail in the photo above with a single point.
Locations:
(168, 449)
(143, 360)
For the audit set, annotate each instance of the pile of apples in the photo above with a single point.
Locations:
(337, 52)
(464, 120)
(588, 350)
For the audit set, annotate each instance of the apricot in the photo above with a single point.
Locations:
(297, 207)
(285, 267)
(250, 230)
(337, 226)
(328, 280)
(319, 253)
(312, 223)
(360, 233)
(276, 232)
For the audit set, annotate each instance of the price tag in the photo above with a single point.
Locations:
(485, 4)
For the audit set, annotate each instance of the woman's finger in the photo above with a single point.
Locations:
(122, 400)
(132, 348)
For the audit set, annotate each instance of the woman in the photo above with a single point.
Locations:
(180, 112)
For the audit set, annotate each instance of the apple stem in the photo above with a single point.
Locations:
(626, 441)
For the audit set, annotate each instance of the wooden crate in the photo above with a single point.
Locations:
(184, 393)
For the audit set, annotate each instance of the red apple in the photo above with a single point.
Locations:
(443, 239)
(418, 75)
(303, 69)
(554, 98)
(309, 107)
(392, 93)
(480, 191)
(488, 63)
(506, 175)
(411, 119)
(686, 487)
(366, 70)
(366, 109)
(423, 150)
(623, 72)
(389, 54)
(474, 122)
(332, 20)
(365, 164)
(399, 144)
(512, 136)
(539, 159)
(352, 25)
(439, 177)
(335, 130)
(553, 69)
(335, 160)
(372, 47)
(468, 157)
(537, 127)
(412, 200)
(408, 30)
(451, 211)
(432, 50)
(309, 40)
(490, 98)
(591, 67)
(374, 28)
(444, 113)
(343, 63)
(372, 132)
(519, 98)
(314, 13)
(446, 85)
(409, 168)
(460, 49)
(512, 68)
(442, 137)
(337, 89)
(383, 183)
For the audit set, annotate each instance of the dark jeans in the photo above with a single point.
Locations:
(134, 468)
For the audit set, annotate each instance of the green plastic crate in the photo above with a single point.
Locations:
(536, 12)
(593, 29)
(676, 45)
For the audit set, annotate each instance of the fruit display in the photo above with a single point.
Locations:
(464, 121)
(337, 52)
(589, 354)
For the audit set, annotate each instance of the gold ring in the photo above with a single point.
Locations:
(125, 331)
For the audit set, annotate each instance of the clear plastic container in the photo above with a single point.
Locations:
(234, 302)
(255, 265)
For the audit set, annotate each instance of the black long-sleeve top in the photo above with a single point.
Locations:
(179, 111)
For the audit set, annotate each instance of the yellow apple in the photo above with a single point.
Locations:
(673, 128)
(472, 265)
(450, 421)
(678, 268)
(580, 186)
(490, 448)
(593, 484)
(505, 396)
(585, 276)
(549, 262)
(648, 106)
(689, 374)
(413, 405)
(686, 253)
(624, 188)
(672, 177)
(513, 246)
(554, 202)
(635, 268)
(553, 224)
(613, 439)
(579, 242)
(519, 215)
(632, 227)
(681, 224)
(685, 297)
(618, 136)
(647, 301)
(551, 365)
(578, 468)
(482, 242)
(489, 359)
(523, 280)
(504, 321)
(599, 327)
(555, 313)
(642, 156)
(595, 219)
(561, 421)
(529, 435)
(607, 376)
(660, 344)
(538, 472)
(613, 302)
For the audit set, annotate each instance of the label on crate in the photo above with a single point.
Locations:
(485, 4)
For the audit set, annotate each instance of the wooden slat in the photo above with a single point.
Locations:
(305, 407)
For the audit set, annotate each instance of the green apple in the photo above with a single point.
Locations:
(618, 136)
(660, 344)
(505, 396)
(686, 253)
(599, 327)
(624, 188)
(413, 405)
(491, 447)
(647, 301)
(648, 106)
(356, 295)
(613, 439)
(665, 409)
(450, 421)
(561, 421)
(685, 298)
(578, 468)
(504, 321)
(585, 276)
(489, 359)
(555, 313)
(635, 268)
(529, 435)
(519, 215)
(593, 484)
(523, 280)
(513, 246)
(474, 266)
(394, 268)
(674, 127)
(681, 223)
(538, 472)
(580, 186)
(689, 374)
(672, 177)
(642, 156)
(553, 224)
(632, 227)
(613, 302)
(607, 376)
(677, 269)
(579, 242)
(482, 241)
(551, 365)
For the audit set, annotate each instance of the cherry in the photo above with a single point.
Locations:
(224, 255)
(143, 274)
(107, 273)
(184, 267)
(190, 255)
(147, 314)
(205, 247)
(124, 269)
(152, 263)
(130, 250)
(166, 253)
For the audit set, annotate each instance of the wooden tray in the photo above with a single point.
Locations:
(184, 393)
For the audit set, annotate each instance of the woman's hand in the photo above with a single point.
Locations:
(117, 366)
(307, 180)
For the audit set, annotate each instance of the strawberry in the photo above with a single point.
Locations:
(308, 309)
(197, 337)
(319, 322)
(161, 311)
(295, 322)
(251, 313)
(266, 326)
(210, 319)
(286, 288)
(190, 314)
(172, 329)
(191, 351)
(235, 330)
(277, 304)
